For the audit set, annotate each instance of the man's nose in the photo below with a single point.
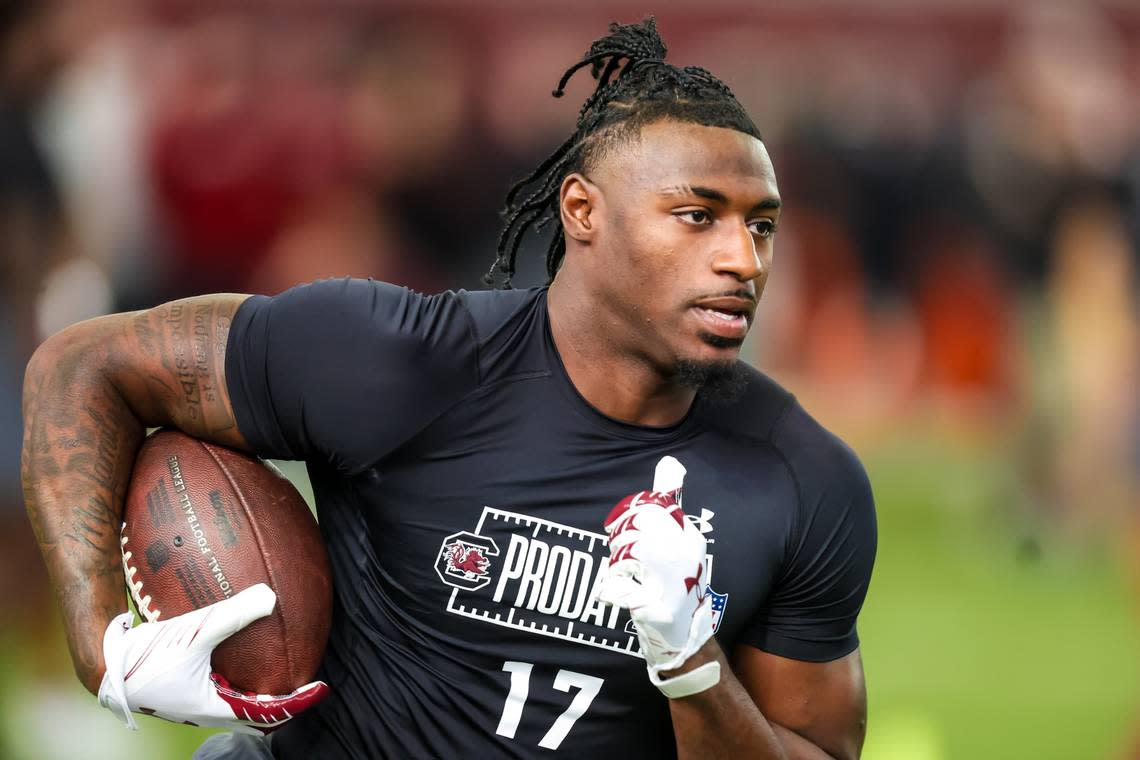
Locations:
(739, 255)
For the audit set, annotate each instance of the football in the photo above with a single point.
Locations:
(201, 523)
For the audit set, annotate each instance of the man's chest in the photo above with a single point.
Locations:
(492, 528)
(479, 549)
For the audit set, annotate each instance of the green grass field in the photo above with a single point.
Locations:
(979, 647)
(976, 644)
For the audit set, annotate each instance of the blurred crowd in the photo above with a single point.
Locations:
(961, 185)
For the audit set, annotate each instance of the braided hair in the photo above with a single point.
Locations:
(635, 88)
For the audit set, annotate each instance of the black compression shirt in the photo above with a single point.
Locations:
(461, 483)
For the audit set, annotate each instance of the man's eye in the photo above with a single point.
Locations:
(696, 216)
(763, 227)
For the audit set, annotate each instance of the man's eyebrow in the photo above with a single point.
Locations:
(768, 204)
(703, 192)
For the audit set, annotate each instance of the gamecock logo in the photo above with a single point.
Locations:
(467, 560)
(464, 560)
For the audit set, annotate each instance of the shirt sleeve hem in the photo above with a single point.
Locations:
(806, 651)
(237, 384)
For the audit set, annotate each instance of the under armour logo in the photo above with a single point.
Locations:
(695, 581)
(703, 523)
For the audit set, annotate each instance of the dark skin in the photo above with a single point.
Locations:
(671, 226)
(670, 221)
(683, 217)
(90, 392)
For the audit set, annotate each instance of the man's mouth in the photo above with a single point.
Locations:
(727, 317)
(730, 317)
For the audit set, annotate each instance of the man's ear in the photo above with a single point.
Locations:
(578, 201)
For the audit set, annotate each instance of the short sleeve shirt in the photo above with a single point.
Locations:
(461, 483)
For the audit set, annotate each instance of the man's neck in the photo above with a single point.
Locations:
(615, 381)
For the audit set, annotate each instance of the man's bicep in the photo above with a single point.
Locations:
(170, 366)
(822, 702)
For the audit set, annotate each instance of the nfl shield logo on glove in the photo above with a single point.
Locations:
(719, 602)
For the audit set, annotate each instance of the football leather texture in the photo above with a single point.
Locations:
(202, 522)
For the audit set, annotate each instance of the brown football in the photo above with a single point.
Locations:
(203, 522)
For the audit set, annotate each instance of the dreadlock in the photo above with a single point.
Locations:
(635, 88)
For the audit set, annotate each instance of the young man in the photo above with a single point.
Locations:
(467, 451)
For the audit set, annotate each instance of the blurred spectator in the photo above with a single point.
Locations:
(31, 213)
(1094, 312)
(91, 122)
(966, 312)
(33, 238)
(1056, 109)
(234, 149)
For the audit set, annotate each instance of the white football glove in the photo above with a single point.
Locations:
(657, 570)
(163, 669)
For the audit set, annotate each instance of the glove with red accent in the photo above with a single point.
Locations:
(657, 570)
(163, 669)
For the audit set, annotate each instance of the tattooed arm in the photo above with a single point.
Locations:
(89, 394)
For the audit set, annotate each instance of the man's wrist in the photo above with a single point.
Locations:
(91, 679)
(92, 670)
(691, 682)
(701, 672)
(88, 653)
(710, 651)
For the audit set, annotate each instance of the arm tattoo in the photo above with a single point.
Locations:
(87, 396)
(75, 468)
(189, 339)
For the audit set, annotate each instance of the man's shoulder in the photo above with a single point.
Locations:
(378, 298)
(755, 409)
(492, 310)
(767, 413)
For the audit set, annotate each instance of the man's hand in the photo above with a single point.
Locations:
(657, 570)
(163, 669)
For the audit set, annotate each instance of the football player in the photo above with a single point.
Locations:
(561, 518)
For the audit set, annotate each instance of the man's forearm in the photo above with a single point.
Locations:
(724, 721)
(80, 441)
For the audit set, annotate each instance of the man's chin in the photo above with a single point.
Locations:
(717, 380)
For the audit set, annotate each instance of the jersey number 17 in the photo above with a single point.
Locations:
(587, 686)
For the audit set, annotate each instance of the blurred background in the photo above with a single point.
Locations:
(955, 290)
